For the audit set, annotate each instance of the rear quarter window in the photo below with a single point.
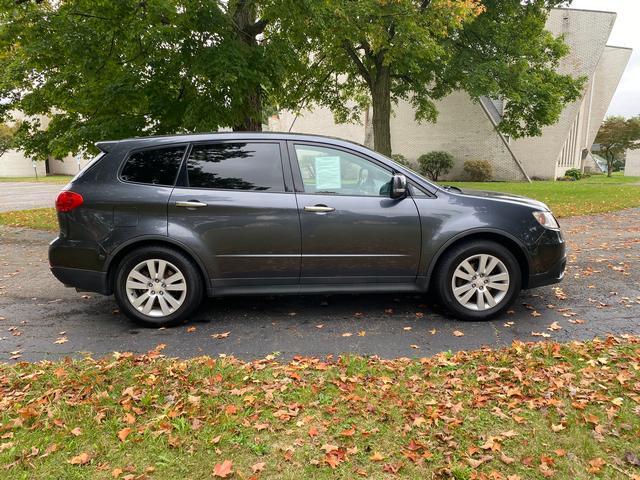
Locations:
(156, 166)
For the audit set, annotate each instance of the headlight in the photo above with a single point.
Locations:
(546, 219)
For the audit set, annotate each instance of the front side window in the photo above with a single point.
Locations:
(158, 166)
(330, 171)
(236, 166)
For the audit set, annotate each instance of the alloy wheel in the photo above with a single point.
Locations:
(480, 282)
(156, 287)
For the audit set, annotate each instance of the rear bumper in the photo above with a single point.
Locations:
(83, 280)
(79, 265)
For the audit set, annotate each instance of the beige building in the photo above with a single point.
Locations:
(632, 163)
(467, 129)
(15, 163)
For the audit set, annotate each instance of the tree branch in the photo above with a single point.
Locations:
(362, 69)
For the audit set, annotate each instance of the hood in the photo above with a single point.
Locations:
(507, 197)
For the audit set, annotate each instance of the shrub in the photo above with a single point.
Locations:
(566, 179)
(401, 159)
(436, 163)
(574, 173)
(478, 170)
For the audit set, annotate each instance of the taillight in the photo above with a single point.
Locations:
(68, 201)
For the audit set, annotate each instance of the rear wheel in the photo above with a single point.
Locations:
(158, 286)
(478, 280)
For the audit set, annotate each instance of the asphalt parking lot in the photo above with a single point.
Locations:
(41, 319)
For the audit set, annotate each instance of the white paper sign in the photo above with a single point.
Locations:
(328, 175)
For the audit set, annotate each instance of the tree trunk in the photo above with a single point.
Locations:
(244, 19)
(381, 103)
(609, 164)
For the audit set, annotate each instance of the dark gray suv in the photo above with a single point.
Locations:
(161, 221)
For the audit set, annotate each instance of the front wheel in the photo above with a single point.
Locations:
(478, 280)
(158, 286)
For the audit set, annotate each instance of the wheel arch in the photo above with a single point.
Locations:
(503, 238)
(116, 257)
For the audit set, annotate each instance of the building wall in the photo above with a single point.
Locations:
(586, 34)
(67, 166)
(632, 163)
(14, 164)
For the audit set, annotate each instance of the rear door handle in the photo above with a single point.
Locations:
(191, 204)
(318, 208)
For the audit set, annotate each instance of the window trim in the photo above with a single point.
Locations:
(297, 174)
(183, 174)
(133, 151)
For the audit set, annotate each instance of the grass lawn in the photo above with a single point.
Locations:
(536, 410)
(595, 194)
(57, 179)
(38, 218)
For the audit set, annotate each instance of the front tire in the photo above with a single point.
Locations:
(157, 286)
(478, 280)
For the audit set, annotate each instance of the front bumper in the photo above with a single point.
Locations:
(549, 260)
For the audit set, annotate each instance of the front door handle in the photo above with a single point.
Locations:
(318, 208)
(191, 204)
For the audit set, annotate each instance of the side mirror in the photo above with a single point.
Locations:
(398, 186)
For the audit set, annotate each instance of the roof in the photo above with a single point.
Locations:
(135, 142)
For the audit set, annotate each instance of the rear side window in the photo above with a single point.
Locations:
(154, 166)
(236, 166)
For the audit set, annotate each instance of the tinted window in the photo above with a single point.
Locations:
(158, 166)
(236, 166)
(326, 170)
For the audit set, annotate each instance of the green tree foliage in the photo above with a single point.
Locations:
(436, 163)
(616, 136)
(104, 69)
(7, 134)
(373, 52)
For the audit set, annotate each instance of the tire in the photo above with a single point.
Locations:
(470, 280)
(171, 301)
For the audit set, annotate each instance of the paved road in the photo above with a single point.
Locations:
(25, 195)
(600, 295)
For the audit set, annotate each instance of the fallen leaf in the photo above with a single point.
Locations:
(223, 470)
(258, 467)
(554, 327)
(219, 336)
(76, 432)
(81, 459)
(458, 333)
(124, 433)
(347, 334)
(376, 457)
(61, 340)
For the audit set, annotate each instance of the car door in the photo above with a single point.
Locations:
(352, 231)
(235, 205)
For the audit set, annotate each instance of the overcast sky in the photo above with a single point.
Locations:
(626, 33)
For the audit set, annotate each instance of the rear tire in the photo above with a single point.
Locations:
(478, 280)
(157, 286)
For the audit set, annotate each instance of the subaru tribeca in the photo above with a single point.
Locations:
(161, 221)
